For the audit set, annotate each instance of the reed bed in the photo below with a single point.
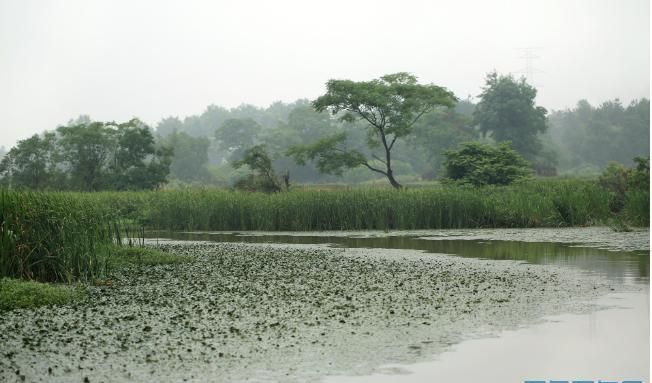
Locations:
(53, 236)
(549, 203)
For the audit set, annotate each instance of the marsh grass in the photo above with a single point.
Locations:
(637, 207)
(54, 237)
(123, 256)
(550, 203)
(15, 293)
(64, 237)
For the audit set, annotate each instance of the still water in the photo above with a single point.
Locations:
(621, 266)
(608, 344)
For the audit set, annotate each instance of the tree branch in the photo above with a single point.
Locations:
(374, 169)
(393, 141)
(378, 158)
(424, 111)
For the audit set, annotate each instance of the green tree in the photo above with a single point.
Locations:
(237, 134)
(168, 126)
(593, 137)
(304, 125)
(32, 163)
(435, 132)
(138, 163)
(89, 156)
(508, 112)
(483, 164)
(389, 107)
(87, 149)
(190, 157)
(263, 177)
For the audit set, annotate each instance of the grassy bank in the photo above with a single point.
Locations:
(533, 204)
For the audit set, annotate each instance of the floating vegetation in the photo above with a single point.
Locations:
(282, 313)
(16, 293)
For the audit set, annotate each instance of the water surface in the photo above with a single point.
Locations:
(621, 266)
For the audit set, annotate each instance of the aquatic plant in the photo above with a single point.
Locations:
(535, 203)
(53, 236)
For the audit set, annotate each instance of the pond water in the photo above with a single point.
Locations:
(486, 305)
(622, 266)
(609, 343)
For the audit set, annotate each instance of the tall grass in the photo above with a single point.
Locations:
(532, 204)
(53, 236)
(637, 207)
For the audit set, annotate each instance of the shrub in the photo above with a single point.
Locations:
(628, 188)
(482, 164)
(263, 177)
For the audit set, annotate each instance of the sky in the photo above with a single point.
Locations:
(115, 60)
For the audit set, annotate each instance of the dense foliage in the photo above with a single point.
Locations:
(482, 164)
(507, 111)
(591, 137)
(389, 107)
(263, 178)
(88, 156)
(528, 204)
(53, 236)
(629, 189)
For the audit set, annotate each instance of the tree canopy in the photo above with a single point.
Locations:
(235, 135)
(388, 108)
(594, 136)
(484, 164)
(507, 111)
(88, 156)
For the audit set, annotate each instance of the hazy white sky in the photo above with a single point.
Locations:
(116, 59)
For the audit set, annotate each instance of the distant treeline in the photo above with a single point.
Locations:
(199, 150)
(591, 137)
(579, 141)
(88, 156)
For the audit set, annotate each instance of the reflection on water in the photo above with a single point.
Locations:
(606, 345)
(616, 265)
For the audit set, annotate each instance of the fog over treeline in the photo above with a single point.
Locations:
(579, 141)
(202, 148)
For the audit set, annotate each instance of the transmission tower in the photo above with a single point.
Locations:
(528, 54)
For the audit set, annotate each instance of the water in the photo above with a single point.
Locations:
(608, 345)
(620, 266)
(611, 343)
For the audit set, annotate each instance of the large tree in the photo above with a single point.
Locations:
(236, 135)
(507, 112)
(388, 108)
(32, 163)
(190, 157)
(87, 155)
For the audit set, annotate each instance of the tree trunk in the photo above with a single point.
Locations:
(392, 180)
(388, 161)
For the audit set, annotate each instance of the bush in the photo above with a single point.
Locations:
(263, 177)
(628, 188)
(481, 164)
